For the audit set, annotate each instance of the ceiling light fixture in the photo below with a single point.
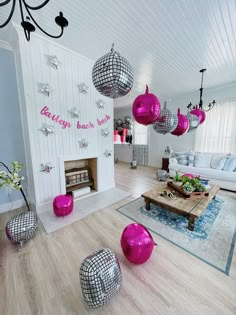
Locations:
(200, 105)
(25, 22)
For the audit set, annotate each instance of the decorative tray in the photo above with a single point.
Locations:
(194, 194)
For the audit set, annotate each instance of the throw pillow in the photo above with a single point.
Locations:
(230, 164)
(182, 159)
(218, 161)
(203, 159)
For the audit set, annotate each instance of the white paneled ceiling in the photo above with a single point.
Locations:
(167, 42)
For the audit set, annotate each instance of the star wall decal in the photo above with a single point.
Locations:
(105, 132)
(83, 143)
(47, 130)
(75, 113)
(54, 61)
(107, 153)
(83, 88)
(45, 89)
(47, 167)
(100, 104)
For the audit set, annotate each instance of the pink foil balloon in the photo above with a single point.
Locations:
(137, 243)
(146, 108)
(199, 113)
(183, 125)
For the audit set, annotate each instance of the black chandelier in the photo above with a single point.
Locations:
(200, 105)
(25, 23)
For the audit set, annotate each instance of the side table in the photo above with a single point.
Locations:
(165, 164)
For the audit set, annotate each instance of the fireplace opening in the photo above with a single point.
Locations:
(81, 177)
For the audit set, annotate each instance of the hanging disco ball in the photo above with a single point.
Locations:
(166, 122)
(193, 122)
(112, 75)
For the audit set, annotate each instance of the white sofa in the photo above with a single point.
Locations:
(219, 169)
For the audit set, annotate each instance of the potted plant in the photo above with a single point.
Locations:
(192, 184)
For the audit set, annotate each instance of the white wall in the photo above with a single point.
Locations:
(158, 142)
(33, 68)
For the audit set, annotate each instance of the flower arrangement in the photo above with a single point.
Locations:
(189, 184)
(12, 178)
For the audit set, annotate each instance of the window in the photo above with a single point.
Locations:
(140, 133)
(218, 132)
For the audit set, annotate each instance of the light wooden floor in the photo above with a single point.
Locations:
(43, 276)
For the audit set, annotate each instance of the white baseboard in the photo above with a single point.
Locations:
(9, 206)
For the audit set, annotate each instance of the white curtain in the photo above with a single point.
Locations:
(218, 132)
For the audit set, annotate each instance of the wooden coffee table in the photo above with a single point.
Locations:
(190, 208)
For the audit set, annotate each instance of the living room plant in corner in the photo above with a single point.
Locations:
(12, 178)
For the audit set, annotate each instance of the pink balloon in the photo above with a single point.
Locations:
(146, 108)
(199, 113)
(137, 243)
(183, 125)
(188, 175)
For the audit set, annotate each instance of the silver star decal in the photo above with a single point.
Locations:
(105, 132)
(83, 143)
(47, 167)
(75, 113)
(100, 104)
(83, 88)
(54, 62)
(47, 130)
(45, 89)
(107, 153)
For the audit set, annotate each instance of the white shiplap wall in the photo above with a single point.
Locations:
(33, 68)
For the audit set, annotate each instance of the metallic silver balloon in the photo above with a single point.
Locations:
(119, 122)
(112, 75)
(166, 122)
(22, 227)
(128, 119)
(193, 122)
(100, 277)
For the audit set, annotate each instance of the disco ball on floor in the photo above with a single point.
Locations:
(112, 75)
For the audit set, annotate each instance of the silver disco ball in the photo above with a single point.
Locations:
(193, 122)
(166, 122)
(112, 75)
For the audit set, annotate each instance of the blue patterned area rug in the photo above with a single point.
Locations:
(214, 235)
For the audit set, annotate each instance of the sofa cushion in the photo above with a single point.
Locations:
(203, 159)
(230, 164)
(218, 161)
(185, 158)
